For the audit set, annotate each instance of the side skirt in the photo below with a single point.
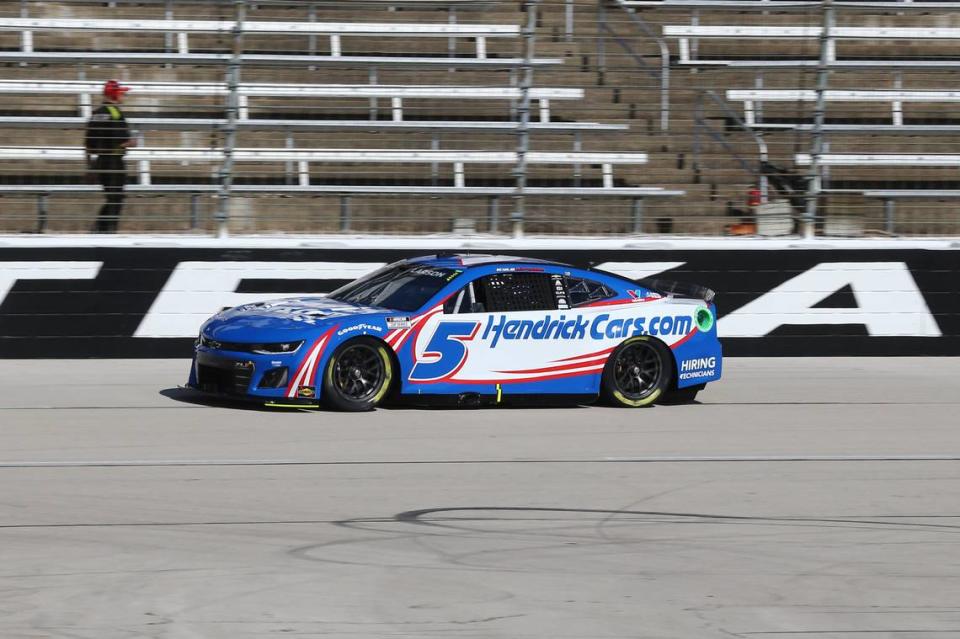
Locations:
(477, 400)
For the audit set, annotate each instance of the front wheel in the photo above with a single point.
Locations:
(637, 373)
(358, 375)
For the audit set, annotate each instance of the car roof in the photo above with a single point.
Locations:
(468, 260)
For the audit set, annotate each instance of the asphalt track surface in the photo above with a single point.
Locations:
(801, 498)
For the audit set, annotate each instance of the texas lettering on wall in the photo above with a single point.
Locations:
(150, 302)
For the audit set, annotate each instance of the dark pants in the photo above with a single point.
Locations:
(112, 175)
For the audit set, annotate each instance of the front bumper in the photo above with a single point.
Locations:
(220, 375)
(239, 376)
(283, 402)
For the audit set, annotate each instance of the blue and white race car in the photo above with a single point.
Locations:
(467, 330)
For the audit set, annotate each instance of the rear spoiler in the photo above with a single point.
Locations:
(678, 289)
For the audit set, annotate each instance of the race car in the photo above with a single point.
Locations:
(467, 330)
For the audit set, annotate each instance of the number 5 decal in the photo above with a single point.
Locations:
(447, 346)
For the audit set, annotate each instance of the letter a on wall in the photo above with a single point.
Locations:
(889, 303)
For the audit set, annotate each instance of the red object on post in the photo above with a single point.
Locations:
(753, 197)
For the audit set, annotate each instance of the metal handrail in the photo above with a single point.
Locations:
(700, 124)
(664, 75)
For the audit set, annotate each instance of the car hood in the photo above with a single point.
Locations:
(279, 320)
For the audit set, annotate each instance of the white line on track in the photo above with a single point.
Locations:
(790, 458)
(309, 462)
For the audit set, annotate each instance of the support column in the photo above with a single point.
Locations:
(312, 39)
(452, 42)
(168, 36)
(577, 168)
(435, 166)
(493, 215)
(225, 174)
(523, 125)
(344, 213)
(288, 165)
(26, 37)
(601, 45)
(814, 186)
(698, 123)
(637, 215)
(889, 211)
(194, 210)
(897, 106)
(372, 77)
(42, 210)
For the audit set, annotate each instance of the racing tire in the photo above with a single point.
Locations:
(681, 395)
(358, 376)
(638, 373)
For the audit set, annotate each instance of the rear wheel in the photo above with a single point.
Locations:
(637, 373)
(358, 375)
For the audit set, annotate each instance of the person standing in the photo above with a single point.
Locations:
(107, 140)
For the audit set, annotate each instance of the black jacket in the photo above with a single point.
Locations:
(107, 130)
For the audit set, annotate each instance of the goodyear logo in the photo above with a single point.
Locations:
(578, 327)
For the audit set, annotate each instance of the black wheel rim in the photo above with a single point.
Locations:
(359, 372)
(637, 370)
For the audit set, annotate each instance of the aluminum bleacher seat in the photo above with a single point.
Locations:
(303, 157)
(894, 97)
(901, 160)
(396, 93)
(275, 124)
(263, 59)
(634, 192)
(140, 158)
(685, 33)
(882, 159)
(790, 5)
(335, 31)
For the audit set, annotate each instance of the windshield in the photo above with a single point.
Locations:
(403, 288)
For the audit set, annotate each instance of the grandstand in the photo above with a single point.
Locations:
(878, 74)
(452, 115)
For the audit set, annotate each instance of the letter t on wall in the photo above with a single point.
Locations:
(10, 272)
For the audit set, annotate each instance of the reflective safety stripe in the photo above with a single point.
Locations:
(114, 112)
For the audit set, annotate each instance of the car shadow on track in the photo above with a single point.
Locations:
(190, 396)
(196, 398)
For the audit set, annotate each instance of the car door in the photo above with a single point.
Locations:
(503, 332)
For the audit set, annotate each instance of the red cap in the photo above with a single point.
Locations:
(113, 89)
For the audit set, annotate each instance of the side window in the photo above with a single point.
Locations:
(581, 291)
(519, 291)
(470, 299)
